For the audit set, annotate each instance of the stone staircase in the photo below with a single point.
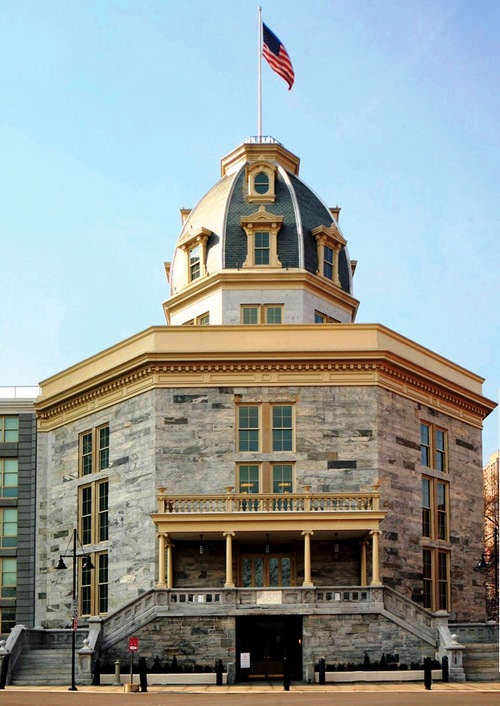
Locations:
(43, 666)
(481, 662)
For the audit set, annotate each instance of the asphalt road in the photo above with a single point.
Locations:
(271, 698)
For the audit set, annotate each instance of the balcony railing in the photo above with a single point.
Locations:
(245, 503)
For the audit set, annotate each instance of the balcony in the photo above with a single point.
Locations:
(259, 512)
(248, 517)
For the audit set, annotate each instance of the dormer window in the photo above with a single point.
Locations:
(261, 182)
(262, 230)
(329, 242)
(194, 246)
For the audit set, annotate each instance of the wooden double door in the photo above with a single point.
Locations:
(266, 570)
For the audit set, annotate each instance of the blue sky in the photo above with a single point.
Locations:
(115, 114)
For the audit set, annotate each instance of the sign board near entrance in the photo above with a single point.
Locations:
(269, 597)
(245, 660)
(133, 644)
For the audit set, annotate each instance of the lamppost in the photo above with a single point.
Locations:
(489, 561)
(87, 564)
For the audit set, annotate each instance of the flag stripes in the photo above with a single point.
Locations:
(276, 56)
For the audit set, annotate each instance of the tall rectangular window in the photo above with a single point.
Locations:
(86, 453)
(282, 429)
(93, 511)
(425, 445)
(436, 584)
(8, 577)
(262, 248)
(433, 447)
(442, 572)
(194, 263)
(9, 429)
(426, 507)
(328, 256)
(434, 508)
(248, 428)
(85, 590)
(8, 477)
(86, 514)
(8, 527)
(102, 583)
(427, 578)
(94, 450)
(440, 450)
(93, 594)
(102, 529)
(103, 447)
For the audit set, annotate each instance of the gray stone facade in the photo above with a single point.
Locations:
(347, 439)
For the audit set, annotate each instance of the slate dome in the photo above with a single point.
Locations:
(260, 185)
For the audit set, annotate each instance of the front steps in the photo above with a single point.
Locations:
(481, 662)
(44, 666)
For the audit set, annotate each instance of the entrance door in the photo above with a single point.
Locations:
(268, 640)
(262, 570)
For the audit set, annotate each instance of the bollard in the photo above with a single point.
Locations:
(143, 675)
(5, 669)
(286, 675)
(427, 672)
(117, 681)
(219, 670)
(96, 679)
(322, 671)
(446, 669)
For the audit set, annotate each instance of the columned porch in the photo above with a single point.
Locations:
(240, 522)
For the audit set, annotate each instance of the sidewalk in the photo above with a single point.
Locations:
(267, 687)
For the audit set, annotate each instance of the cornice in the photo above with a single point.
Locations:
(252, 278)
(177, 369)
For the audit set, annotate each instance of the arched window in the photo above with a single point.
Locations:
(261, 183)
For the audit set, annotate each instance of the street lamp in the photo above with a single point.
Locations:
(87, 564)
(490, 561)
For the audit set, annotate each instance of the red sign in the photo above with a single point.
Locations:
(133, 644)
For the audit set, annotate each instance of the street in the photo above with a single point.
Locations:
(479, 695)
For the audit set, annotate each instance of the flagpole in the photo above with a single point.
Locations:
(259, 81)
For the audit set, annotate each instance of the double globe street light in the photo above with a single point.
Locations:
(86, 565)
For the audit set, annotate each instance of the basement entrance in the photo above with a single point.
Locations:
(265, 640)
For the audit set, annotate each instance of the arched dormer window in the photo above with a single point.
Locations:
(329, 242)
(262, 230)
(194, 246)
(261, 182)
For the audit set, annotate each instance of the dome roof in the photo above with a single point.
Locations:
(260, 183)
(221, 209)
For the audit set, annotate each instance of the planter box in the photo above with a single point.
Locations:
(389, 675)
(166, 679)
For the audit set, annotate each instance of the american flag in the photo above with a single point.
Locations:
(276, 56)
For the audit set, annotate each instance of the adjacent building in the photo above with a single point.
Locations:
(262, 477)
(17, 506)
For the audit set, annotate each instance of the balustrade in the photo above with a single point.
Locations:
(247, 503)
